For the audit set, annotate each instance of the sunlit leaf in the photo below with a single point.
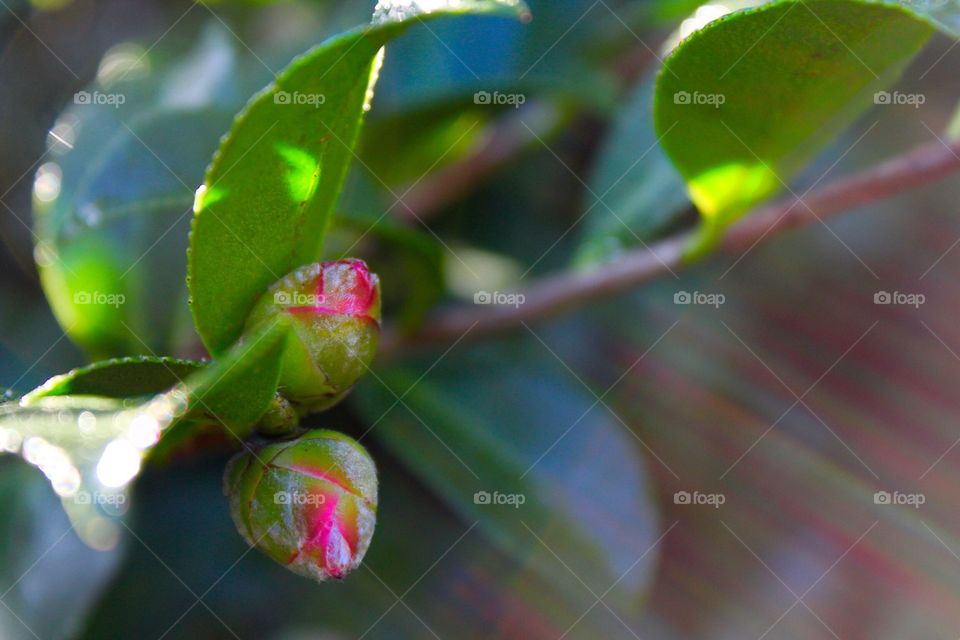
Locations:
(120, 378)
(89, 446)
(112, 204)
(744, 103)
(268, 197)
(238, 388)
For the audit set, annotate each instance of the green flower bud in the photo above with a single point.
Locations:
(308, 503)
(335, 312)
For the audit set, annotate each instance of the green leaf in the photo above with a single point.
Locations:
(95, 445)
(112, 204)
(744, 103)
(237, 389)
(667, 10)
(268, 197)
(120, 378)
(402, 148)
(636, 194)
(475, 423)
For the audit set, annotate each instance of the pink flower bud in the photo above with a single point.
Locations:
(309, 503)
(335, 312)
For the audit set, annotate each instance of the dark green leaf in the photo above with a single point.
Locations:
(268, 197)
(744, 103)
(238, 388)
(478, 423)
(120, 378)
(635, 192)
(112, 206)
(93, 445)
(402, 148)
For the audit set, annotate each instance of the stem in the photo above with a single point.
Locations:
(571, 289)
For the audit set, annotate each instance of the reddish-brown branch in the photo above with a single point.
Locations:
(557, 293)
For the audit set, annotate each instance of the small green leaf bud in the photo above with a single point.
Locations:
(280, 419)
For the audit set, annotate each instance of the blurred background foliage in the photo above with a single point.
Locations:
(597, 418)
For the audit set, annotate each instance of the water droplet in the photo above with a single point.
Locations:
(125, 61)
(90, 214)
(54, 463)
(46, 185)
(144, 431)
(87, 422)
(119, 464)
(43, 254)
(10, 440)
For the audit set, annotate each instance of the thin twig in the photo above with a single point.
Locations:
(571, 289)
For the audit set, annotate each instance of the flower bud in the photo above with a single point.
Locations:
(335, 312)
(309, 503)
